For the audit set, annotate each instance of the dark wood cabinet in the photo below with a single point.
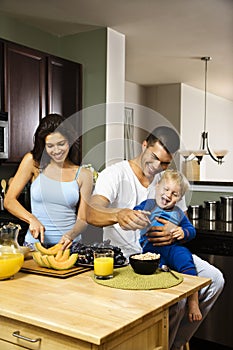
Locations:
(1, 76)
(25, 97)
(65, 92)
(35, 84)
(64, 86)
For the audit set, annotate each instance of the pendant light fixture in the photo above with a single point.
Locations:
(216, 155)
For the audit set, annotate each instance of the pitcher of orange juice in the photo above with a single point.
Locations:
(11, 257)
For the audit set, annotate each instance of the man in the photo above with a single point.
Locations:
(118, 190)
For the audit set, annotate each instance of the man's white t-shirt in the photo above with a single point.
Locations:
(121, 187)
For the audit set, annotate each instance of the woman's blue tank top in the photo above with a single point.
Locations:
(54, 203)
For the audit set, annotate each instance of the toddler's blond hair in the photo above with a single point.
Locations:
(177, 177)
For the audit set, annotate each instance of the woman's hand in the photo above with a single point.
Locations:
(36, 228)
(130, 219)
(162, 235)
(66, 241)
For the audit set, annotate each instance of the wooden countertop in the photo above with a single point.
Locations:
(80, 308)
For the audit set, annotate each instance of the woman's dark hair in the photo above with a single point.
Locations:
(166, 136)
(48, 125)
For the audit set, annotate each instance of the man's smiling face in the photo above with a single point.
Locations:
(154, 160)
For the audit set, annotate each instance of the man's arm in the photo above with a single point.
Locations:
(99, 214)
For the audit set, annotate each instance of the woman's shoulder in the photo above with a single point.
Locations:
(84, 174)
(84, 171)
(29, 163)
(28, 157)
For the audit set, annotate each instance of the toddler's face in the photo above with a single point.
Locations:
(167, 194)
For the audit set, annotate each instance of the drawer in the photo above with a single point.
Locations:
(8, 346)
(35, 338)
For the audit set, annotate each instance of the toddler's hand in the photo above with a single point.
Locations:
(177, 233)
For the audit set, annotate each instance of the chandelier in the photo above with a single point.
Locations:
(216, 155)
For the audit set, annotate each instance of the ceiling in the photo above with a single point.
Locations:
(165, 39)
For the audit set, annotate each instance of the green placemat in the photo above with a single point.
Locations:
(126, 278)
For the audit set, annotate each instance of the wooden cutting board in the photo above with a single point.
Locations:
(30, 266)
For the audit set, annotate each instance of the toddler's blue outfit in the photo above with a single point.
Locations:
(176, 256)
(54, 204)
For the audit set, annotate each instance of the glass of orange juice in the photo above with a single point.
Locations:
(103, 263)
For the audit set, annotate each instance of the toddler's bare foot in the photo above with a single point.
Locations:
(194, 311)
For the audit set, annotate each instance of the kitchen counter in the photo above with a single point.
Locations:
(215, 227)
(213, 237)
(77, 313)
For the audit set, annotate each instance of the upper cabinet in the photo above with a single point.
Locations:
(64, 86)
(1, 76)
(25, 96)
(36, 84)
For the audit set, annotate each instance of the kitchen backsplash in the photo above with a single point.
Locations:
(200, 197)
(7, 170)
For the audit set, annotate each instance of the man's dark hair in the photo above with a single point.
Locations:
(166, 136)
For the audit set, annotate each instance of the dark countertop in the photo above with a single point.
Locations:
(212, 237)
(212, 183)
(217, 227)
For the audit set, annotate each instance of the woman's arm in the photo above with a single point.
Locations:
(24, 174)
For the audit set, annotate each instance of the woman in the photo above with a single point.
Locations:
(60, 188)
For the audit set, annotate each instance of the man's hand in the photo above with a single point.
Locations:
(130, 219)
(161, 235)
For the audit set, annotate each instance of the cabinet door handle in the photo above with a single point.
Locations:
(18, 335)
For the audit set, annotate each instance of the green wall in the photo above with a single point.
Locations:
(198, 197)
(87, 48)
(18, 32)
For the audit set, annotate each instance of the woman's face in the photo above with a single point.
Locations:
(57, 147)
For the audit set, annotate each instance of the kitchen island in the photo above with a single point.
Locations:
(77, 313)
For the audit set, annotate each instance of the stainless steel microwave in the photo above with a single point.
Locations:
(4, 136)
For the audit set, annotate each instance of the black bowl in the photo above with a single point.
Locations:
(144, 266)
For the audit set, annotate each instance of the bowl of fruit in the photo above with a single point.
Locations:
(144, 264)
(86, 253)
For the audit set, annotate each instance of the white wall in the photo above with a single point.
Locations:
(115, 93)
(183, 102)
(165, 99)
(153, 106)
(135, 99)
(219, 127)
